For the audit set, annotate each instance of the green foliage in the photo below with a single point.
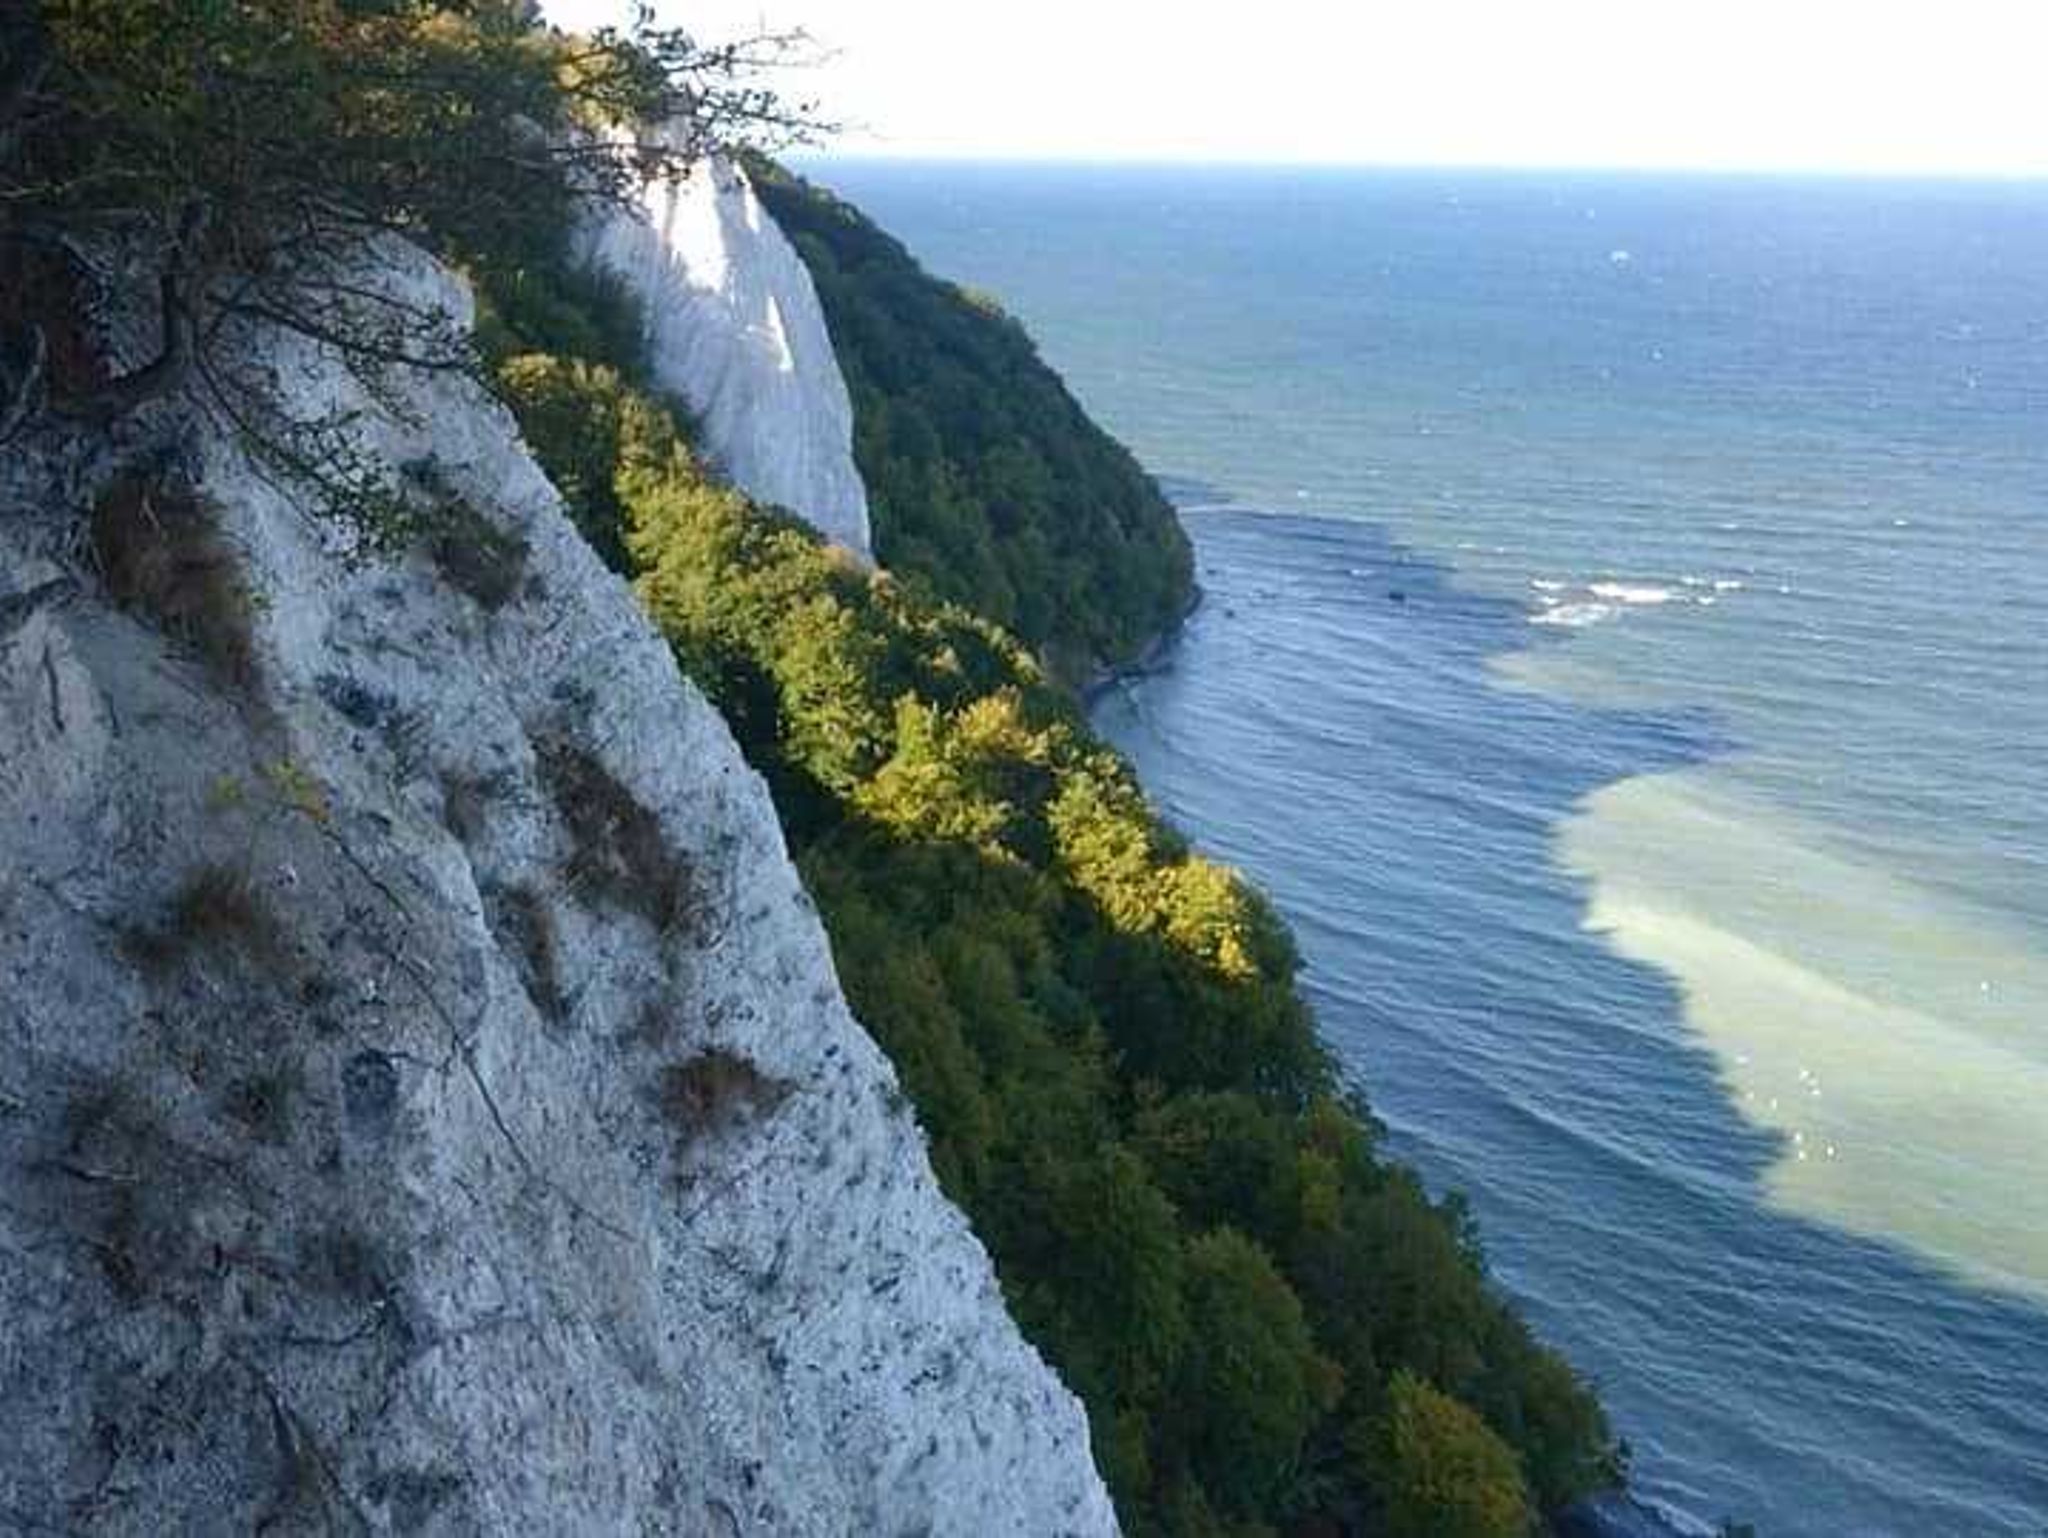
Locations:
(292, 122)
(1439, 1471)
(400, 114)
(988, 483)
(1251, 1393)
(1099, 1029)
(259, 154)
(581, 421)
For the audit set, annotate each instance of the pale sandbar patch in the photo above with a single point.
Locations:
(1896, 1041)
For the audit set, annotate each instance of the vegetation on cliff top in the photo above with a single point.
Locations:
(988, 483)
(256, 152)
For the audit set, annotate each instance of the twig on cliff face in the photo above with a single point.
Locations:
(21, 389)
(333, 836)
(300, 1449)
(463, 1050)
(56, 694)
(581, 1210)
(93, 1176)
(373, 1321)
(17, 609)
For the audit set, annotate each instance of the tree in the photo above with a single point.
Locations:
(256, 153)
(1440, 1472)
(1255, 1385)
(987, 480)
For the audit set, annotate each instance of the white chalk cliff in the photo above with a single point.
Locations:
(427, 1103)
(735, 329)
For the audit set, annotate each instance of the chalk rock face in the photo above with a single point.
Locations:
(735, 328)
(426, 1100)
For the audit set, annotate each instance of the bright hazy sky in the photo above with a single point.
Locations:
(1854, 85)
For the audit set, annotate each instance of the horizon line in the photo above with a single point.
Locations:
(927, 156)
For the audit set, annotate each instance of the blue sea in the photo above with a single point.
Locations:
(1625, 661)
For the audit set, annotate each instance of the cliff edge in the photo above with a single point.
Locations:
(734, 329)
(429, 1104)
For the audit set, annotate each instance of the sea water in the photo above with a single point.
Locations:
(1625, 660)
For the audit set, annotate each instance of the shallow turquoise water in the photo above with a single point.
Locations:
(1670, 857)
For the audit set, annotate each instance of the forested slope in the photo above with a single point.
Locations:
(1099, 1028)
(988, 483)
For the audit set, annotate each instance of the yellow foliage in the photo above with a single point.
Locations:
(298, 790)
(1442, 1470)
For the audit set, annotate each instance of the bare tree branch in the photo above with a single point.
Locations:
(180, 291)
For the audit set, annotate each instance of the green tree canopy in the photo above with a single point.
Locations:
(257, 151)
(1440, 1472)
(988, 482)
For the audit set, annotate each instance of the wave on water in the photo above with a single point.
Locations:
(1853, 1012)
(1572, 616)
(1569, 606)
(1636, 595)
(1190, 493)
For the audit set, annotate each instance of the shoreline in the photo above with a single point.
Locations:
(1150, 658)
(1618, 1512)
(1621, 1513)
